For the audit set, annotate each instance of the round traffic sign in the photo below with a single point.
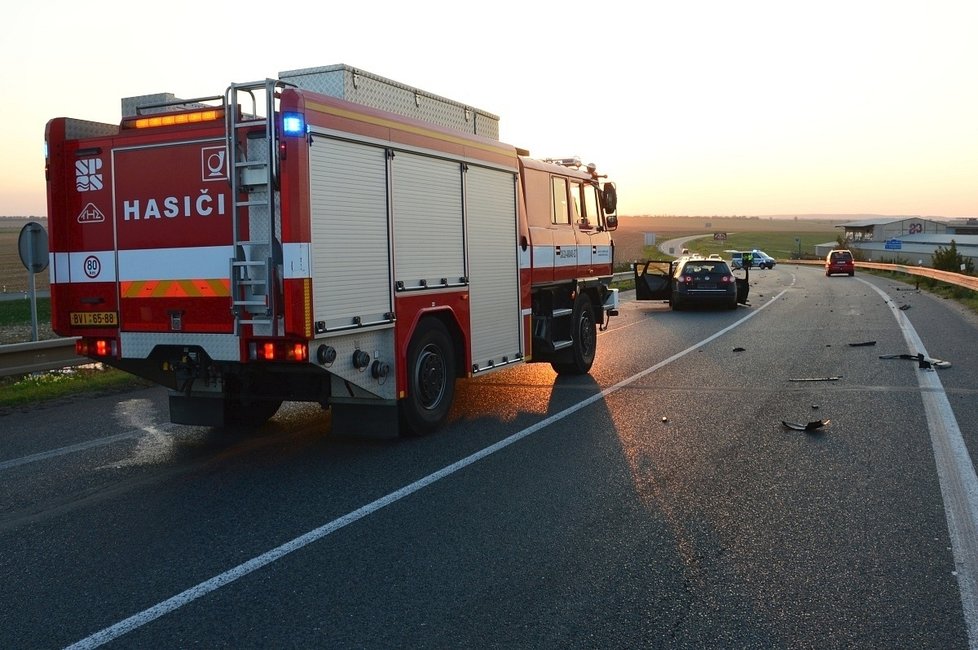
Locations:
(33, 245)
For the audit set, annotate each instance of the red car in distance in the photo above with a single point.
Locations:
(839, 261)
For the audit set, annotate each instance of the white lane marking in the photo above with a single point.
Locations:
(70, 449)
(955, 472)
(213, 584)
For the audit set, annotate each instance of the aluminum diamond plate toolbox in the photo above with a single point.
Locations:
(355, 85)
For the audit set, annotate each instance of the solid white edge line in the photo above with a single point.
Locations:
(161, 609)
(955, 473)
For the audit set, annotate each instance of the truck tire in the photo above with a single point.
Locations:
(584, 334)
(430, 379)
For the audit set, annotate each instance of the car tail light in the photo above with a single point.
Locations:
(726, 279)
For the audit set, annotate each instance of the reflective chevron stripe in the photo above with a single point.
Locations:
(200, 288)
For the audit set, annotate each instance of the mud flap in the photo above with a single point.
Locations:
(378, 419)
(200, 411)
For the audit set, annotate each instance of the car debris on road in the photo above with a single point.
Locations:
(833, 378)
(814, 425)
(927, 363)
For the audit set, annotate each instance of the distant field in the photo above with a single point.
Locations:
(775, 236)
(13, 275)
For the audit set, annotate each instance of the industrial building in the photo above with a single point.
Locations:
(906, 240)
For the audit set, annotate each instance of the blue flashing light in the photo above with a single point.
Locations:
(293, 124)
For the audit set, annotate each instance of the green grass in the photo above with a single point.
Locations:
(18, 312)
(41, 387)
(779, 245)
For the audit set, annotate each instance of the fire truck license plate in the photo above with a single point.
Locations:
(94, 318)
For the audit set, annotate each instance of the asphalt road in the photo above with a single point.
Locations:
(658, 502)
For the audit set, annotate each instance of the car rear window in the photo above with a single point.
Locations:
(706, 267)
(842, 256)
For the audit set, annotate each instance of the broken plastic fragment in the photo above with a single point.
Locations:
(739, 349)
(814, 425)
(904, 307)
(836, 378)
(922, 361)
(862, 345)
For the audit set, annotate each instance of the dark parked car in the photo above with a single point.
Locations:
(839, 261)
(700, 281)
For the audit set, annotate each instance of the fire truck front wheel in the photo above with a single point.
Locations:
(431, 378)
(585, 339)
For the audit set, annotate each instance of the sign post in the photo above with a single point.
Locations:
(33, 246)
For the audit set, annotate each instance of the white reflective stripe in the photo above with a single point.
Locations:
(58, 268)
(543, 256)
(601, 253)
(569, 256)
(175, 263)
(295, 258)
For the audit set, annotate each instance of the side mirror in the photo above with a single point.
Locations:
(610, 222)
(609, 198)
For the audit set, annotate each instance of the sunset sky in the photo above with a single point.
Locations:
(694, 107)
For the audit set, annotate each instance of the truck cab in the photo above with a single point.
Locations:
(570, 233)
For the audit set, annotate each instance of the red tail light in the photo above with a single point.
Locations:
(278, 351)
(96, 347)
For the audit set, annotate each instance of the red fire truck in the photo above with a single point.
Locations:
(328, 236)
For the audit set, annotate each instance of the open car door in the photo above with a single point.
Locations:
(653, 279)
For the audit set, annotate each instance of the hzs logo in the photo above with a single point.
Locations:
(88, 175)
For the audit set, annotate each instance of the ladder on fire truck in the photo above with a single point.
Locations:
(253, 175)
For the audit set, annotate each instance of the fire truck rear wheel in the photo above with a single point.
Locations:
(585, 337)
(431, 378)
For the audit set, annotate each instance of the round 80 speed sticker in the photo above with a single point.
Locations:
(92, 266)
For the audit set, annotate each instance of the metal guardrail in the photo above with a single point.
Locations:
(25, 358)
(37, 356)
(957, 279)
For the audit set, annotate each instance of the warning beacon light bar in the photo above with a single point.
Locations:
(172, 119)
